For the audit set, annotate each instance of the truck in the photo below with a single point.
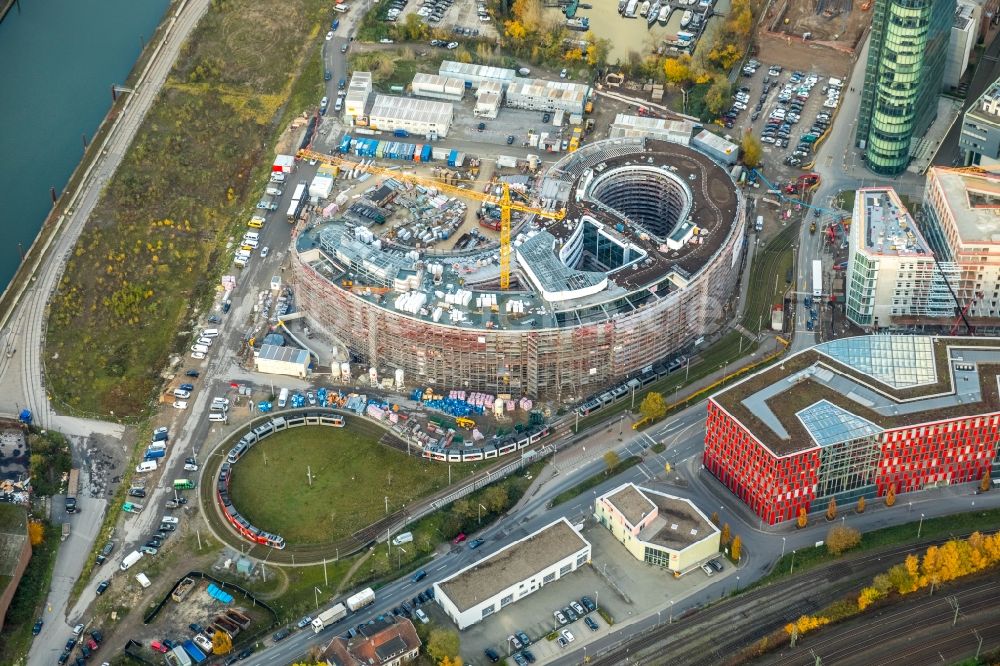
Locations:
(153, 454)
(65, 532)
(72, 488)
(361, 599)
(196, 654)
(759, 226)
(283, 397)
(328, 617)
(817, 278)
(130, 559)
(131, 507)
(179, 657)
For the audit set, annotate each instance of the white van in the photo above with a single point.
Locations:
(400, 539)
(251, 235)
(182, 394)
(836, 83)
(274, 191)
(157, 446)
(277, 177)
(170, 519)
(282, 397)
(199, 348)
(130, 559)
(143, 580)
(146, 466)
(210, 333)
(218, 416)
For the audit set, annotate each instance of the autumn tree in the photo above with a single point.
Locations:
(736, 549)
(861, 505)
(464, 509)
(221, 642)
(36, 532)
(679, 71)
(752, 149)
(442, 645)
(868, 596)
(803, 518)
(806, 623)
(841, 538)
(611, 460)
(717, 97)
(495, 498)
(597, 51)
(653, 407)
(725, 536)
(984, 484)
(890, 495)
(450, 661)
(831, 509)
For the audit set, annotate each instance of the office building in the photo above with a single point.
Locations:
(855, 417)
(961, 221)
(512, 573)
(659, 529)
(903, 77)
(980, 137)
(964, 32)
(892, 276)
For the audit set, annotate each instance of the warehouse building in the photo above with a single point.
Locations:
(416, 116)
(275, 360)
(627, 126)
(719, 149)
(659, 529)
(438, 87)
(550, 96)
(475, 75)
(358, 92)
(512, 573)
(855, 417)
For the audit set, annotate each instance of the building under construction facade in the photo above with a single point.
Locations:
(645, 261)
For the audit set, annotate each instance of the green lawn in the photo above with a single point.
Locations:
(352, 474)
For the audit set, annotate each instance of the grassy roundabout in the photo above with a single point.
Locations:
(352, 474)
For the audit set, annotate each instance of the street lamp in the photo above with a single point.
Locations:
(782, 546)
(920, 526)
(671, 621)
(792, 570)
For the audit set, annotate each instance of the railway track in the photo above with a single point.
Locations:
(701, 637)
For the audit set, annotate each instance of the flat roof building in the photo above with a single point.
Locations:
(475, 75)
(980, 136)
(629, 126)
(416, 116)
(543, 95)
(512, 573)
(892, 276)
(717, 147)
(438, 87)
(275, 360)
(659, 529)
(854, 417)
(964, 32)
(961, 222)
(358, 92)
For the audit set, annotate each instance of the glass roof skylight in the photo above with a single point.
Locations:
(829, 424)
(899, 361)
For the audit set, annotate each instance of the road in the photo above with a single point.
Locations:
(22, 374)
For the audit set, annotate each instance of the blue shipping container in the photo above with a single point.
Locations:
(452, 156)
(194, 651)
(401, 132)
(345, 143)
(425, 155)
(153, 455)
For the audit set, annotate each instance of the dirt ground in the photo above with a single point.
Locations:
(841, 21)
(794, 54)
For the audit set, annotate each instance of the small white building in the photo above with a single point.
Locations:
(275, 360)
(358, 92)
(489, 97)
(476, 75)
(321, 186)
(964, 32)
(628, 126)
(720, 149)
(659, 529)
(437, 87)
(542, 95)
(512, 573)
(416, 116)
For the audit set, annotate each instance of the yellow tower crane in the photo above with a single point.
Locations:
(504, 201)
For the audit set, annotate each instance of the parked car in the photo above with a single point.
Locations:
(459, 539)
(570, 613)
(529, 655)
(37, 629)
(492, 655)
(476, 543)
(588, 603)
(568, 635)
(560, 618)
(514, 641)
(707, 569)
(578, 608)
(77, 630)
(589, 621)
(281, 635)
(523, 637)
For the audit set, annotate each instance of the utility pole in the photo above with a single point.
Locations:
(819, 662)
(198, 534)
(920, 526)
(980, 647)
(326, 581)
(953, 600)
(309, 475)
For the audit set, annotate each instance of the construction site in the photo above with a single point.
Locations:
(620, 254)
(825, 32)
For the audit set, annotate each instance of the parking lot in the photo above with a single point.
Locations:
(468, 18)
(789, 111)
(622, 587)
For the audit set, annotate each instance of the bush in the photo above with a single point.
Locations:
(842, 538)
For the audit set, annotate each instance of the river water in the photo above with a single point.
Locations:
(58, 59)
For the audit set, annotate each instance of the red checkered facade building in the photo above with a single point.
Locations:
(777, 476)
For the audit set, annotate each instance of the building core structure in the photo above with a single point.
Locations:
(855, 417)
(644, 262)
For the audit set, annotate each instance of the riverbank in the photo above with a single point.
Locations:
(6, 6)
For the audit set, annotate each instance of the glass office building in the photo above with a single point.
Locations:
(906, 59)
